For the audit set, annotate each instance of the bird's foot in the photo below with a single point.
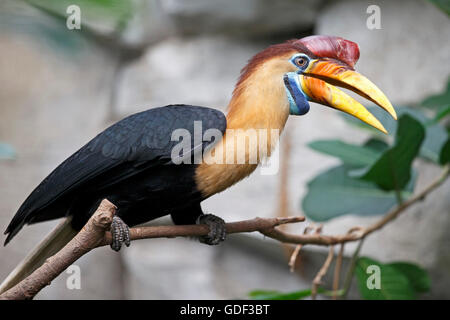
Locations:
(217, 231)
(120, 233)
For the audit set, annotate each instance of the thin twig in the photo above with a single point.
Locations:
(326, 240)
(351, 270)
(318, 278)
(296, 252)
(283, 210)
(337, 271)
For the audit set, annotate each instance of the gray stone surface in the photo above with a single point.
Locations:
(200, 70)
(186, 269)
(203, 71)
(408, 60)
(385, 58)
(252, 17)
(52, 103)
(153, 20)
(149, 23)
(55, 99)
(408, 56)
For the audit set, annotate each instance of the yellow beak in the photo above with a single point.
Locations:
(322, 75)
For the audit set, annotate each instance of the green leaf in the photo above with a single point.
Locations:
(349, 153)
(435, 139)
(104, 15)
(6, 151)
(394, 284)
(435, 136)
(439, 100)
(443, 112)
(417, 276)
(277, 295)
(444, 157)
(376, 144)
(392, 170)
(334, 193)
(444, 5)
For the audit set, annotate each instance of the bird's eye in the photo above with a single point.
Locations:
(301, 61)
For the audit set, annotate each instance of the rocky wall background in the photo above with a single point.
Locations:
(55, 97)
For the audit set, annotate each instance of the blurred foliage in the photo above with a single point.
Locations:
(277, 295)
(113, 14)
(373, 178)
(7, 151)
(335, 193)
(398, 281)
(445, 154)
(374, 174)
(103, 19)
(436, 133)
(351, 154)
(444, 5)
(392, 169)
(440, 100)
(442, 113)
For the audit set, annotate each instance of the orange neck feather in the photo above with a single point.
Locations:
(258, 102)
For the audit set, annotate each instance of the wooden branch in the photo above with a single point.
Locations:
(95, 234)
(351, 270)
(296, 252)
(356, 233)
(87, 239)
(323, 271)
(337, 271)
(256, 224)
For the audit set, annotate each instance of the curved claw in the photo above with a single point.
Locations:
(217, 228)
(120, 233)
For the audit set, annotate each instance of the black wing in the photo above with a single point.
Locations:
(123, 150)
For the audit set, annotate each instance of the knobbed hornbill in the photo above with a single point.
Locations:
(131, 163)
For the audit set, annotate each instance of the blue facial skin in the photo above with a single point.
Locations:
(298, 100)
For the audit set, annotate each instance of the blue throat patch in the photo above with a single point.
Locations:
(298, 101)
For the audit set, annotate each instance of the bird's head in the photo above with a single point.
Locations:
(311, 69)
